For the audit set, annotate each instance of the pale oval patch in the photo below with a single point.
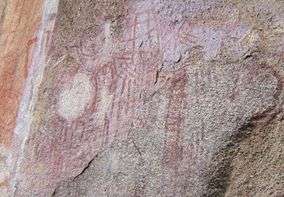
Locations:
(74, 99)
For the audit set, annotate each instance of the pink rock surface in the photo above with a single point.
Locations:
(150, 98)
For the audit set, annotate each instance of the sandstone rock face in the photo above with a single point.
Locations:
(141, 98)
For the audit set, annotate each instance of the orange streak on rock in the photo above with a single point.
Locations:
(17, 37)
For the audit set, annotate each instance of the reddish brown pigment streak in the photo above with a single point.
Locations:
(12, 79)
(22, 19)
(175, 119)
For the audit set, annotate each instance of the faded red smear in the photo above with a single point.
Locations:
(11, 86)
(19, 27)
(175, 119)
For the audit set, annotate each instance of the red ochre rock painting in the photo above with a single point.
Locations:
(149, 98)
(18, 25)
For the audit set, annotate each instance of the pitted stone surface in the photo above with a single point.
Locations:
(152, 98)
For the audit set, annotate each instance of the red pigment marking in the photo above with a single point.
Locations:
(184, 33)
(29, 46)
(175, 119)
(109, 68)
(11, 91)
(106, 129)
(84, 130)
(56, 157)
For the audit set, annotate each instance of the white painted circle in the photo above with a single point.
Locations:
(74, 98)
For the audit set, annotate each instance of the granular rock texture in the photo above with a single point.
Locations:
(141, 98)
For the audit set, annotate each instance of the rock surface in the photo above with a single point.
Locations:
(141, 98)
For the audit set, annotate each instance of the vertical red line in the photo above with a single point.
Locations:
(175, 119)
(134, 40)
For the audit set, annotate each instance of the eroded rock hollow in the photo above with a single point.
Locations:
(141, 98)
